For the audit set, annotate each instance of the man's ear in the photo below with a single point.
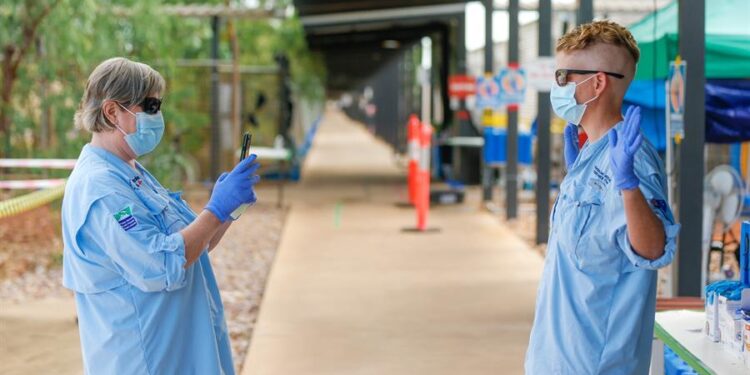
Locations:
(109, 109)
(600, 83)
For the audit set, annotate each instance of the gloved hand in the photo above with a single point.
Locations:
(570, 151)
(623, 146)
(234, 189)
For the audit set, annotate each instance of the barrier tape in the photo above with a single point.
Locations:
(31, 184)
(38, 163)
(30, 201)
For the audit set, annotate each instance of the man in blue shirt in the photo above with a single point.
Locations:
(611, 227)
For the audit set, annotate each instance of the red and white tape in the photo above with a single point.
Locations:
(38, 163)
(31, 184)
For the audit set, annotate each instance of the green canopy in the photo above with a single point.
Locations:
(727, 40)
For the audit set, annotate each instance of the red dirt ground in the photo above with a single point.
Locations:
(30, 240)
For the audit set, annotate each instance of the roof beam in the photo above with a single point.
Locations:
(421, 12)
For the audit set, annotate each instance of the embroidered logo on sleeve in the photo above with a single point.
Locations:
(660, 205)
(126, 219)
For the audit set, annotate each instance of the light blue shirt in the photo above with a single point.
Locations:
(596, 300)
(139, 310)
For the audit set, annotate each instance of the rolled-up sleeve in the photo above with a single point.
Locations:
(653, 188)
(670, 234)
(130, 235)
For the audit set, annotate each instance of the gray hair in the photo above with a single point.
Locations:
(121, 80)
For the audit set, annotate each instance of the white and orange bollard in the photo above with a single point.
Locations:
(413, 130)
(423, 177)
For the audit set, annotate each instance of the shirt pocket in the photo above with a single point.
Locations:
(578, 217)
(595, 253)
(156, 206)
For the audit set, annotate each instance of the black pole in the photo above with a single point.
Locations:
(692, 37)
(488, 44)
(461, 44)
(215, 128)
(511, 169)
(445, 59)
(489, 68)
(543, 163)
(585, 12)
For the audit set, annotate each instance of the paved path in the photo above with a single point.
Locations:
(350, 293)
(39, 337)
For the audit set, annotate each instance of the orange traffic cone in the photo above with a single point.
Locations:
(423, 177)
(413, 138)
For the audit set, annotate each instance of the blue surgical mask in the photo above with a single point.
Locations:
(148, 132)
(564, 102)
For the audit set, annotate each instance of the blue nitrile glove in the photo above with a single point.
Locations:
(234, 189)
(570, 151)
(622, 148)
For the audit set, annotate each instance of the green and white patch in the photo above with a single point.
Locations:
(125, 218)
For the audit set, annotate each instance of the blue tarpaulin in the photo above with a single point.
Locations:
(727, 110)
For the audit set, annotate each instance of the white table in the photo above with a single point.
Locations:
(283, 158)
(682, 331)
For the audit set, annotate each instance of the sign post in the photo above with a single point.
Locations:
(512, 92)
(675, 116)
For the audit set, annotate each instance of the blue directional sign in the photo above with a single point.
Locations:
(488, 92)
(512, 85)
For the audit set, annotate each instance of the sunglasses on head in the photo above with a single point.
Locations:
(561, 75)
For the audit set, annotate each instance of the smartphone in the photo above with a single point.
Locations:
(246, 139)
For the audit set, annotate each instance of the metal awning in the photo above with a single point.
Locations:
(358, 37)
(316, 7)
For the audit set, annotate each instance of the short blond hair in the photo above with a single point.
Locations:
(606, 32)
(121, 80)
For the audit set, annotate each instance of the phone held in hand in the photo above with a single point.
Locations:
(246, 139)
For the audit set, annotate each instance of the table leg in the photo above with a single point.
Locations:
(657, 357)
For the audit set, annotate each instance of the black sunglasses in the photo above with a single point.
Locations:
(561, 75)
(151, 105)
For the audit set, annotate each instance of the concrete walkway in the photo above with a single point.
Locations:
(350, 293)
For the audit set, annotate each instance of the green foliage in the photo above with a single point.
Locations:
(79, 34)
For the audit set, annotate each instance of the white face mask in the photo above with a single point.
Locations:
(563, 100)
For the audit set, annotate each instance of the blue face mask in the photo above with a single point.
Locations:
(564, 102)
(148, 132)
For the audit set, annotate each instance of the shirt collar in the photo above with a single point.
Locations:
(589, 147)
(115, 162)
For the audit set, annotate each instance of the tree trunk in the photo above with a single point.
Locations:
(10, 73)
(236, 107)
(13, 54)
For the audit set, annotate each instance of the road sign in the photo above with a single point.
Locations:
(541, 73)
(460, 86)
(488, 92)
(676, 98)
(512, 85)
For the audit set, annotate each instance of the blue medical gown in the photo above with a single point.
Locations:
(139, 310)
(596, 300)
